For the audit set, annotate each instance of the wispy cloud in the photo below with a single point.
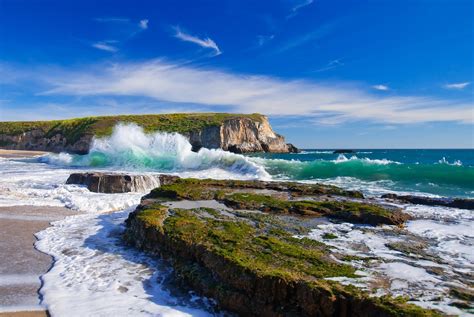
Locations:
(112, 19)
(458, 86)
(105, 46)
(123, 29)
(205, 42)
(143, 24)
(263, 39)
(299, 6)
(312, 36)
(381, 87)
(324, 102)
(332, 64)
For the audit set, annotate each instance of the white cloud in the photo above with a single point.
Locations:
(323, 102)
(332, 64)
(457, 85)
(143, 24)
(298, 6)
(206, 43)
(104, 46)
(381, 87)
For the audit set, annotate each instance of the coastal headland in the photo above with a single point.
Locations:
(239, 133)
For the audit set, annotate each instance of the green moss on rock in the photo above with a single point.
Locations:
(247, 198)
(252, 266)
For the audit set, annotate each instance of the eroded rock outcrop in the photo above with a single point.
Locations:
(39, 140)
(241, 135)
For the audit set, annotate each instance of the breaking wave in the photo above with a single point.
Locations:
(130, 148)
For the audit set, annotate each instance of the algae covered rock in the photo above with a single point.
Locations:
(252, 264)
(247, 255)
(283, 198)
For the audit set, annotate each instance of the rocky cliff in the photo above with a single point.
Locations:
(235, 133)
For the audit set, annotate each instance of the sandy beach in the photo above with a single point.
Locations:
(19, 153)
(21, 265)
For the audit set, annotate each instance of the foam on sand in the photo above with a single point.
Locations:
(95, 274)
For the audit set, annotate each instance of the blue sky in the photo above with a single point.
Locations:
(328, 73)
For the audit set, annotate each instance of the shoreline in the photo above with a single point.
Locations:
(25, 313)
(20, 153)
(22, 265)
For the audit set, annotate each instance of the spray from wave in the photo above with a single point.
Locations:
(130, 148)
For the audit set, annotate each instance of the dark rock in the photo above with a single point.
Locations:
(343, 151)
(462, 203)
(118, 183)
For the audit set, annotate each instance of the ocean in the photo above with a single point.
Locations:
(95, 274)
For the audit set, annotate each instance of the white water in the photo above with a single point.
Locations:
(94, 274)
(449, 237)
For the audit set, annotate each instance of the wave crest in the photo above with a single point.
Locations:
(129, 147)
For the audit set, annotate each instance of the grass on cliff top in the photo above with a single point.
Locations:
(264, 250)
(194, 189)
(103, 125)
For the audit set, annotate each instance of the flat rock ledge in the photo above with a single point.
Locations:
(250, 257)
(461, 203)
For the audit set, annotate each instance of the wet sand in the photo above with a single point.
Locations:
(25, 314)
(20, 153)
(21, 265)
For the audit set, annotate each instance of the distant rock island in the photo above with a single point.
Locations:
(342, 151)
(238, 133)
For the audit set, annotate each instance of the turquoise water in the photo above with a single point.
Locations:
(440, 172)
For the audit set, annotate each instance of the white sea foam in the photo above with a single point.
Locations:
(342, 159)
(94, 274)
(450, 249)
(454, 163)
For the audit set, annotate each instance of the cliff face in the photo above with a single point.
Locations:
(241, 135)
(235, 133)
(39, 140)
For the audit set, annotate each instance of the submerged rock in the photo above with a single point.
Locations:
(462, 203)
(118, 183)
(247, 257)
